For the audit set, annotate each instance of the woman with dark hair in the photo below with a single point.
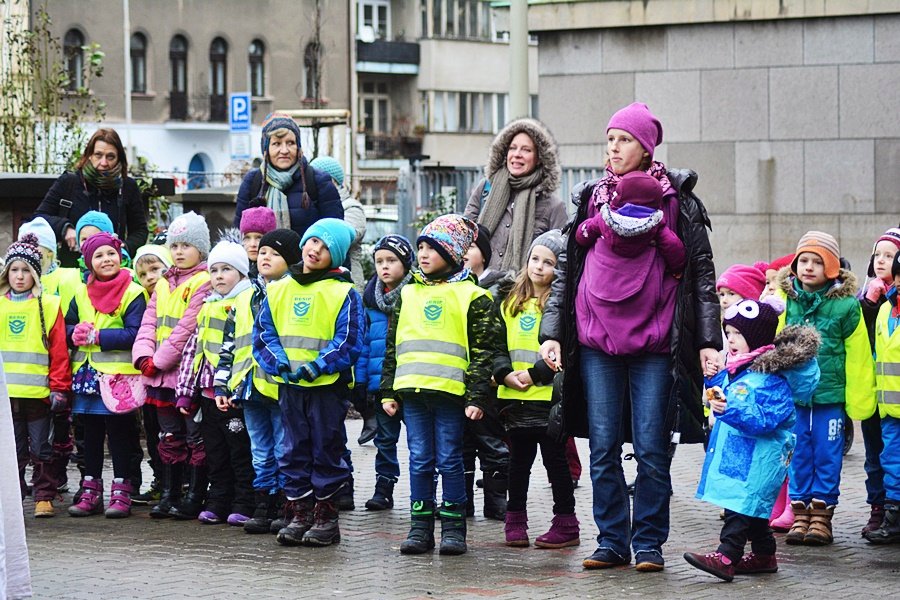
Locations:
(100, 182)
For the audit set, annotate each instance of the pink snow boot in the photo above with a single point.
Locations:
(91, 501)
(119, 500)
(784, 521)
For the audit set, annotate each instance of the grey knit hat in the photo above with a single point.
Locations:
(190, 228)
(553, 240)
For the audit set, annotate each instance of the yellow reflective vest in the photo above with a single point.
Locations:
(211, 331)
(63, 282)
(432, 337)
(171, 306)
(111, 362)
(887, 364)
(304, 317)
(524, 350)
(264, 383)
(26, 360)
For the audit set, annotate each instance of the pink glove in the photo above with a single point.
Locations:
(875, 290)
(82, 334)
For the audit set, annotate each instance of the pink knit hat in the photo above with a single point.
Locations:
(637, 120)
(259, 219)
(892, 235)
(746, 281)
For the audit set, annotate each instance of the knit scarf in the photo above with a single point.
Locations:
(737, 361)
(503, 185)
(386, 300)
(106, 181)
(106, 295)
(460, 275)
(606, 187)
(276, 196)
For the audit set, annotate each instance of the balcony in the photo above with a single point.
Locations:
(394, 58)
(381, 146)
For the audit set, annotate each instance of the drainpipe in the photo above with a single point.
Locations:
(518, 59)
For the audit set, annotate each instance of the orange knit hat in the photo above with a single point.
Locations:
(823, 245)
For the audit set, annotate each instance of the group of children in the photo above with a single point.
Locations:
(243, 357)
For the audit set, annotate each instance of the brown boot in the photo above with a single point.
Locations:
(819, 533)
(798, 530)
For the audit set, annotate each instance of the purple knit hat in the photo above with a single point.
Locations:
(637, 120)
(97, 240)
(757, 321)
(259, 219)
(637, 188)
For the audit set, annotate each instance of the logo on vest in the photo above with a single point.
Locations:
(434, 309)
(527, 322)
(16, 325)
(302, 307)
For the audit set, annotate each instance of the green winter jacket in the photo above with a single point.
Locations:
(845, 357)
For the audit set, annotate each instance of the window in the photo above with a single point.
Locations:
(311, 71)
(375, 107)
(456, 19)
(377, 15)
(256, 59)
(178, 60)
(533, 106)
(218, 65)
(467, 112)
(73, 50)
(139, 63)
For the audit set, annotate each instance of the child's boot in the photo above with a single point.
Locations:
(325, 530)
(819, 533)
(785, 521)
(453, 529)
(753, 564)
(801, 523)
(343, 498)
(876, 516)
(283, 513)
(495, 484)
(151, 495)
(263, 514)
(780, 502)
(301, 511)
(516, 528)
(564, 531)
(170, 494)
(889, 531)
(91, 501)
(714, 563)
(421, 532)
(383, 498)
(190, 507)
(43, 509)
(119, 499)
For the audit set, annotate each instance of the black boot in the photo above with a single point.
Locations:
(470, 494)
(325, 530)
(495, 495)
(283, 513)
(453, 529)
(421, 532)
(301, 512)
(370, 427)
(263, 514)
(889, 532)
(343, 498)
(170, 493)
(193, 501)
(151, 495)
(383, 498)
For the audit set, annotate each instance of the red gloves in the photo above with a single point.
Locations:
(148, 369)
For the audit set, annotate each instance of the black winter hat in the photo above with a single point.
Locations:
(483, 241)
(399, 245)
(757, 321)
(895, 266)
(286, 242)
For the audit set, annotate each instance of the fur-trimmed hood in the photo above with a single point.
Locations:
(794, 346)
(547, 152)
(845, 286)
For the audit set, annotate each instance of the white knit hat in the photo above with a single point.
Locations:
(189, 228)
(42, 230)
(232, 254)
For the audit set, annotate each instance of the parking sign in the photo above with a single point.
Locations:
(239, 112)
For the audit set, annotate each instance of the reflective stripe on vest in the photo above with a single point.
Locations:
(171, 306)
(211, 331)
(26, 360)
(887, 364)
(304, 317)
(524, 349)
(111, 362)
(433, 337)
(243, 350)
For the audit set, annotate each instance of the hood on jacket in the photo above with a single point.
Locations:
(846, 284)
(545, 143)
(793, 359)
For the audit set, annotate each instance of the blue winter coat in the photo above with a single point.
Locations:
(752, 441)
(368, 367)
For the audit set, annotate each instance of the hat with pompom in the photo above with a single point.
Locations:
(450, 236)
(189, 228)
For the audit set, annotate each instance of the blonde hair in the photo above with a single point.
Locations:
(522, 291)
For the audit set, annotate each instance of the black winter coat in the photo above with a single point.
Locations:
(696, 325)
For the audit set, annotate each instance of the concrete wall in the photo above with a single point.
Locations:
(791, 124)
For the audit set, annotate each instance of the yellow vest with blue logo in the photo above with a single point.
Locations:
(111, 362)
(171, 306)
(25, 358)
(63, 282)
(432, 339)
(264, 383)
(211, 332)
(524, 350)
(887, 364)
(304, 317)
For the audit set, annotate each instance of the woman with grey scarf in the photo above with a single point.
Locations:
(517, 200)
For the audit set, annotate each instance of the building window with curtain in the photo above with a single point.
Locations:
(377, 15)
(178, 49)
(138, 63)
(73, 50)
(218, 82)
(312, 76)
(256, 58)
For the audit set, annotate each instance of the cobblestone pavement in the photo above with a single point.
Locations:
(141, 558)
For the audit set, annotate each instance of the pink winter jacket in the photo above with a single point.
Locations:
(167, 356)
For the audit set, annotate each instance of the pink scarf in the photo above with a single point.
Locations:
(107, 295)
(736, 361)
(605, 188)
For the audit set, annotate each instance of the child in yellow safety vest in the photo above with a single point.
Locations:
(102, 323)
(308, 335)
(36, 363)
(524, 393)
(222, 427)
(437, 364)
(169, 321)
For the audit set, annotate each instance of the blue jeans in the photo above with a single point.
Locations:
(890, 429)
(649, 380)
(263, 420)
(386, 436)
(434, 433)
(871, 431)
(816, 465)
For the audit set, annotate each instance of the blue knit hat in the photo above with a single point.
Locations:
(96, 219)
(42, 230)
(331, 166)
(335, 234)
(275, 121)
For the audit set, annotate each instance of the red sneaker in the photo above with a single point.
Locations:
(752, 564)
(712, 563)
